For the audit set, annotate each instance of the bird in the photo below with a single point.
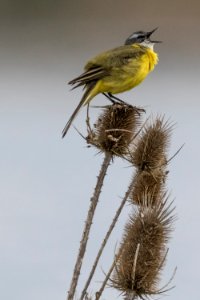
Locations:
(116, 70)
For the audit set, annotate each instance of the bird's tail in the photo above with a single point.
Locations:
(84, 100)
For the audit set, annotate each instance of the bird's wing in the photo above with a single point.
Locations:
(92, 74)
(121, 56)
(102, 65)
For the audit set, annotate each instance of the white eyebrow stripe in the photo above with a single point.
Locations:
(134, 35)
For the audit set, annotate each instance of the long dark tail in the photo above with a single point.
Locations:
(89, 87)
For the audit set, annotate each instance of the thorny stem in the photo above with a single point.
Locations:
(112, 225)
(99, 293)
(93, 203)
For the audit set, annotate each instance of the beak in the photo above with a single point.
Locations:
(150, 33)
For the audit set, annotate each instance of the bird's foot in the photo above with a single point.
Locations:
(116, 100)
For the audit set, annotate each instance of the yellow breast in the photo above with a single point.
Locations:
(153, 59)
(142, 67)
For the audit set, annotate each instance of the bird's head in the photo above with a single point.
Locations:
(141, 37)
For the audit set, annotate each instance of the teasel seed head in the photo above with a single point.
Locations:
(148, 183)
(138, 269)
(151, 148)
(115, 128)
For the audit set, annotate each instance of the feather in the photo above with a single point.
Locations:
(81, 103)
(88, 76)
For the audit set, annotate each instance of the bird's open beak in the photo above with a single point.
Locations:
(150, 33)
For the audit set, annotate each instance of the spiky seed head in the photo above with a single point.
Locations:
(149, 183)
(151, 149)
(138, 269)
(115, 128)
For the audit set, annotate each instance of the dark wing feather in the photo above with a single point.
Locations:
(88, 76)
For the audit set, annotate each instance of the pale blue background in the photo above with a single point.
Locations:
(46, 182)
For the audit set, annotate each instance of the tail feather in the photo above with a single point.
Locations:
(81, 103)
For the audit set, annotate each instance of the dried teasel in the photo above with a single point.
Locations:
(115, 128)
(144, 251)
(148, 183)
(151, 149)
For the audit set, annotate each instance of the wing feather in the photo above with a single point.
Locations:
(90, 75)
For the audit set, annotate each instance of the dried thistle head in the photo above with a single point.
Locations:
(115, 128)
(137, 271)
(151, 149)
(149, 183)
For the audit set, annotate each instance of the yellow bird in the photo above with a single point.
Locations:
(117, 70)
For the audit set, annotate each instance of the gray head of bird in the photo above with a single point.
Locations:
(142, 38)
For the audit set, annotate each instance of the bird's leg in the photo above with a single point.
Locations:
(109, 98)
(115, 98)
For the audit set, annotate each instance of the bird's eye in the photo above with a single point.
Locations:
(141, 38)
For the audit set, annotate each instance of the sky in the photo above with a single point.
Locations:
(46, 182)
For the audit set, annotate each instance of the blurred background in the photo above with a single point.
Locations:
(46, 182)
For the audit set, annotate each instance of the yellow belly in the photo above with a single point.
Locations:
(129, 76)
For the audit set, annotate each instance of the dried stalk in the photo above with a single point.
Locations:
(94, 200)
(112, 225)
(100, 291)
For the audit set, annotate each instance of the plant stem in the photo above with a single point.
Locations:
(99, 293)
(93, 203)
